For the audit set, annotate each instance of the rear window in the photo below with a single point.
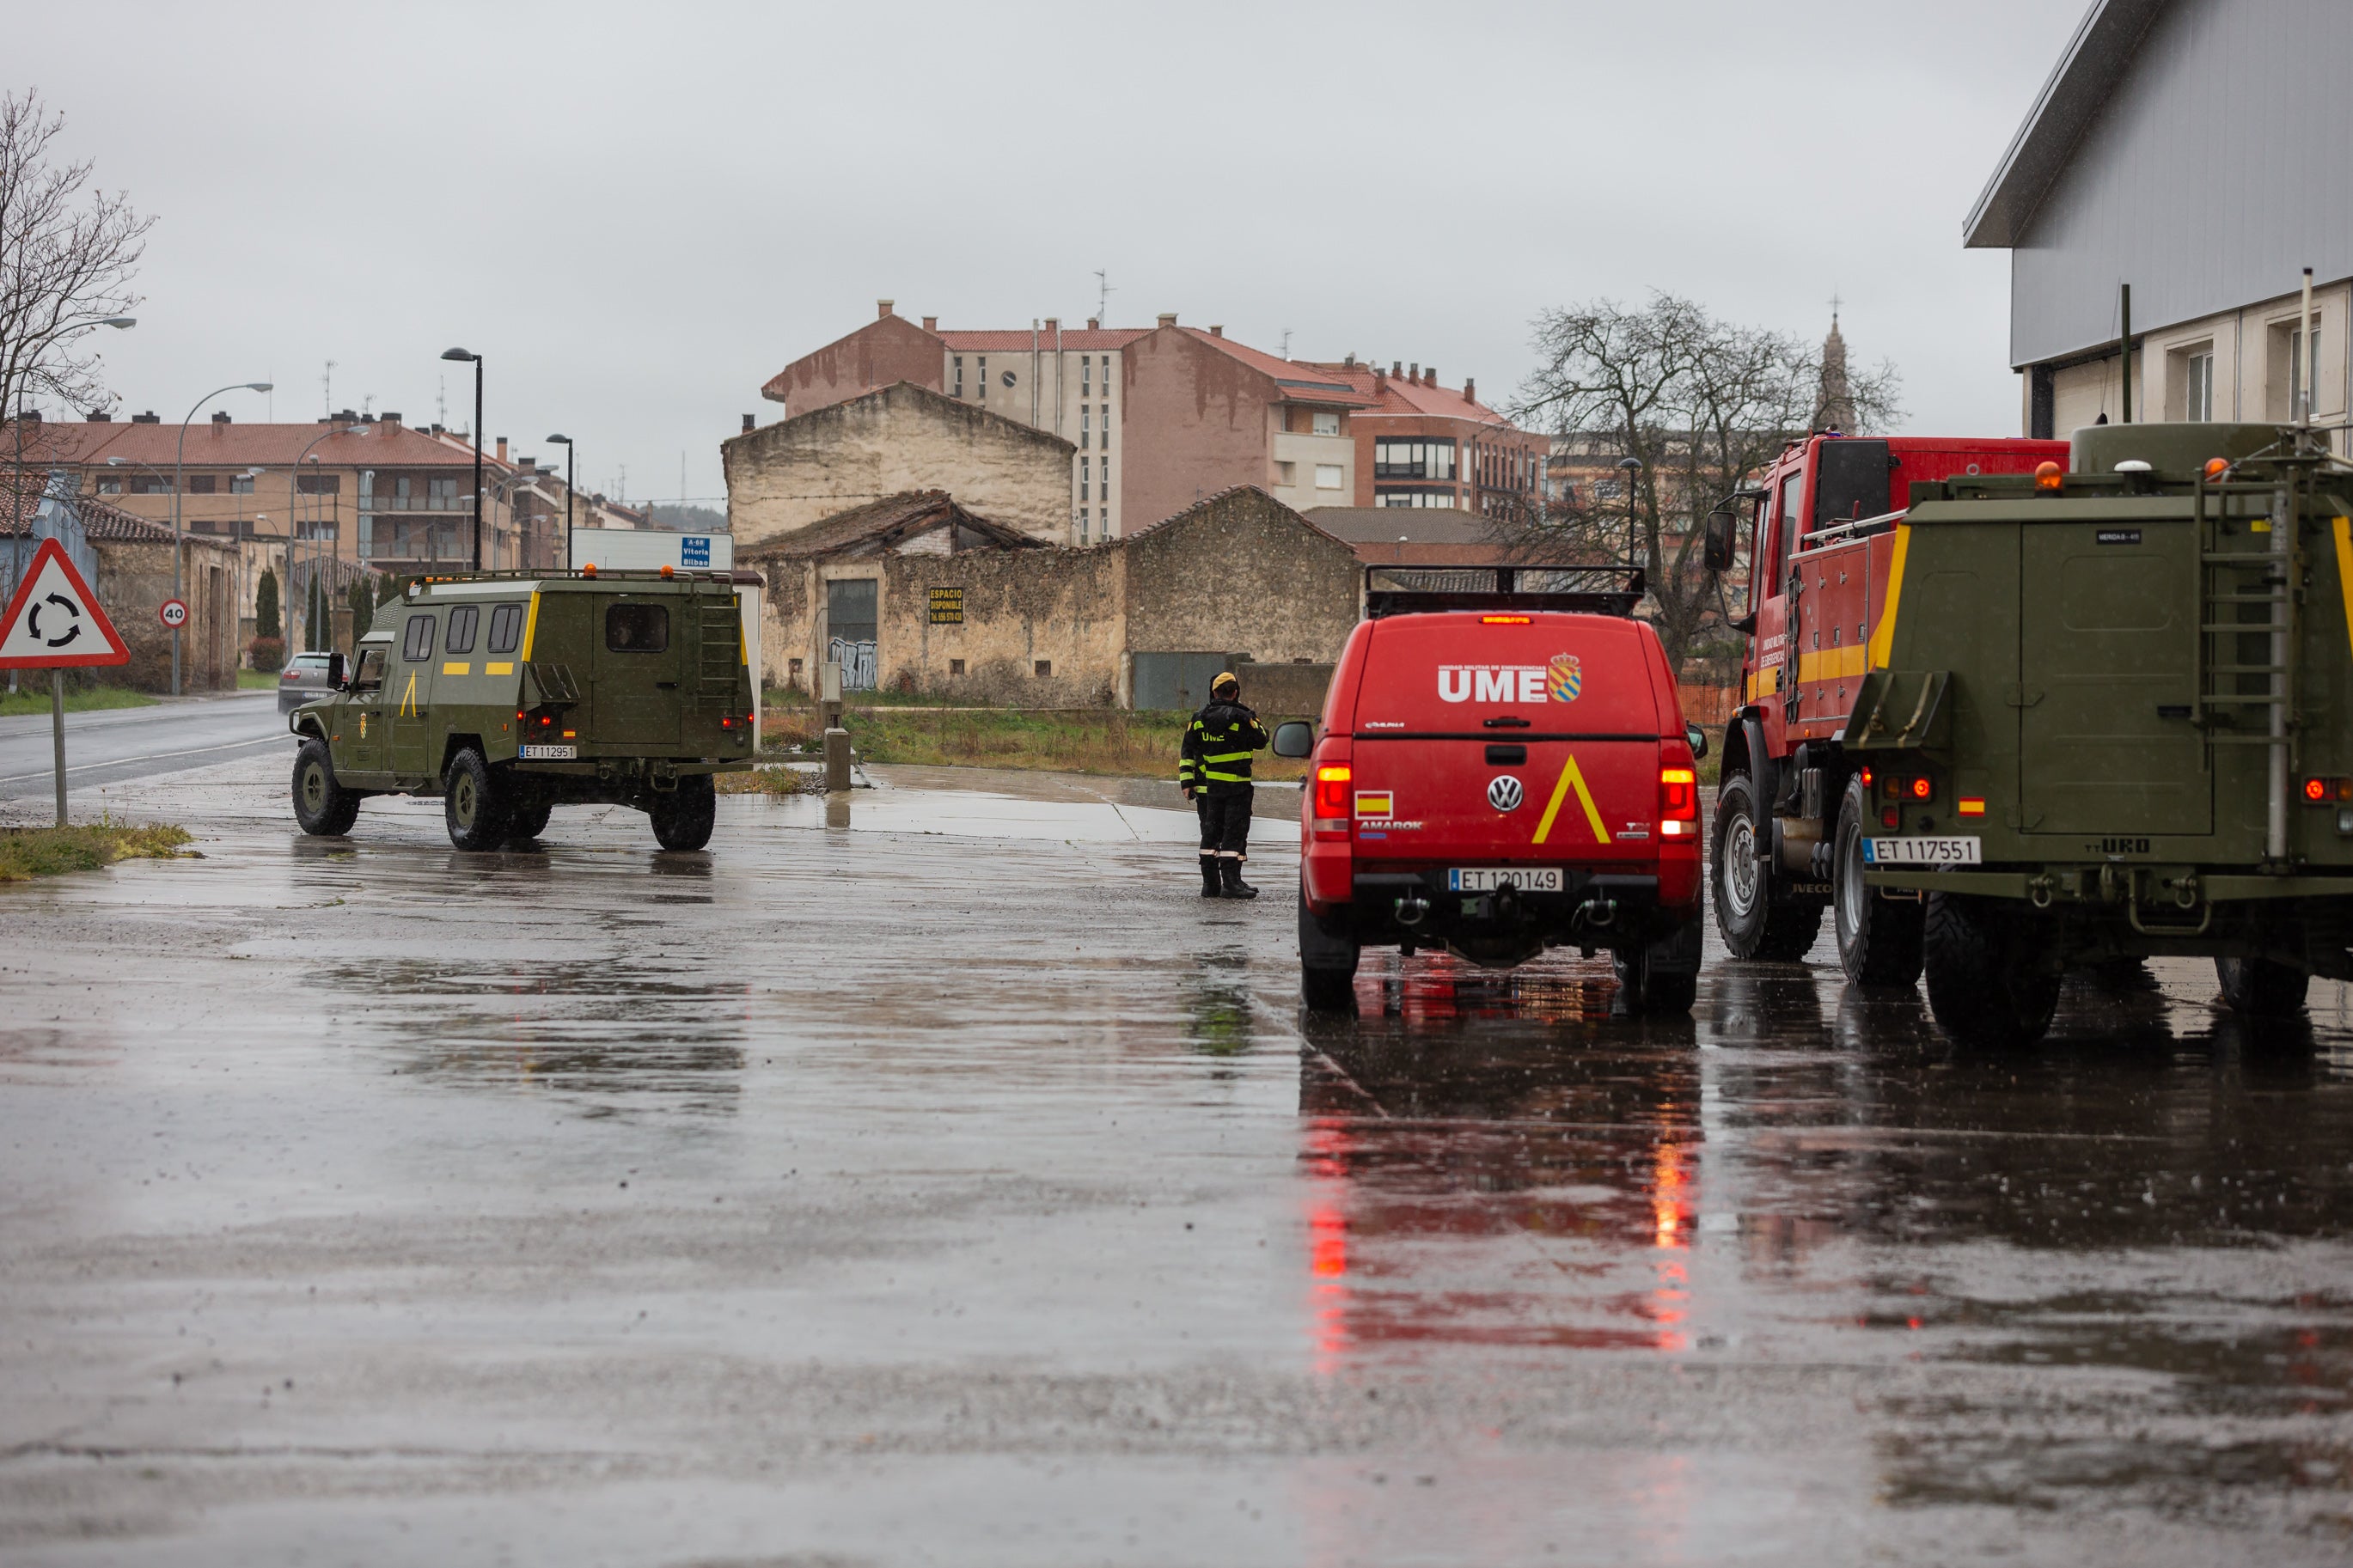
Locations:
(463, 621)
(506, 628)
(637, 628)
(1562, 673)
(417, 641)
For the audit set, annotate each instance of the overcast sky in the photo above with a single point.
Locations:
(639, 213)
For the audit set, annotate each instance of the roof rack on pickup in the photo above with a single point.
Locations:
(1422, 590)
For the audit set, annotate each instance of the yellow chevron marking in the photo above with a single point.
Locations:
(1570, 777)
(409, 698)
(1883, 636)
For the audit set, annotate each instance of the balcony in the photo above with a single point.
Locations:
(448, 506)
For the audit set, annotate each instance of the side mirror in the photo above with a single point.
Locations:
(1294, 738)
(1698, 739)
(1718, 547)
(335, 676)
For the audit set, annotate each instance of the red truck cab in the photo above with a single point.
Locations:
(1499, 770)
(1825, 527)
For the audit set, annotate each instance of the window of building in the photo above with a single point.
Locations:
(959, 377)
(1327, 476)
(637, 628)
(1086, 376)
(417, 639)
(1327, 423)
(506, 628)
(2198, 389)
(1044, 667)
(1086, 425)
(241, 485)
(110, 484)
(955, 667)
(1414, 458)
(1106, 425)
(441, 495)
(1443, 496)
(1085, 469)
(1286, 473)
(200, 484)
(463, 621)
(981, 364)
(1082, 525)
(1106, 376)
(318, 484)
(2303, 373)
(792, 672)
(1105, 475)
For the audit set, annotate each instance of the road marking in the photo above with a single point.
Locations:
(146, 757)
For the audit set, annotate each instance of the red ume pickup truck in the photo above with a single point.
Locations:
(1502, 766)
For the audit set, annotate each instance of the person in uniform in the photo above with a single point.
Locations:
(1214, 771)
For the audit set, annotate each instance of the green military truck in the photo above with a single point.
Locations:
(508, 694)
(2109, 716)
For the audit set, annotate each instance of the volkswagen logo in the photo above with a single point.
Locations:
(1503, 792)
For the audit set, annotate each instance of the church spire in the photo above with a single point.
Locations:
(1834, 400)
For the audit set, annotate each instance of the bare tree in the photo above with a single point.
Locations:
(1703, 404)
(66, 258)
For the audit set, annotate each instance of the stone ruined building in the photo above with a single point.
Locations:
(919, 592)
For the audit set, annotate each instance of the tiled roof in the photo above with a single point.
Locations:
(885, 522)
(1398, 395)
(1301, 382)
(1206, 502)
(230, 445)
(1388, 524)
(1074, 340)
(98, 520)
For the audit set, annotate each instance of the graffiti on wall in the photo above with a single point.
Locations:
(857, 661)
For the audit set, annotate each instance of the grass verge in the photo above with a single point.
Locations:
(257, 680)
(1111, 741)
(30, 852)
(34, 699)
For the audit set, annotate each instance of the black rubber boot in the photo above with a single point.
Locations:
(1209, 889)
(1235, 887)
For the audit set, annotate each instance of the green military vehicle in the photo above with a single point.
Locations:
(2109, 716)
(508, 694)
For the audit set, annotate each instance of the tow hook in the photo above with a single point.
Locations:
(2038, 893)
(1601, 913)
(1411, 910)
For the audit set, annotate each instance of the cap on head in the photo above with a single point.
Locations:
(1224, 682)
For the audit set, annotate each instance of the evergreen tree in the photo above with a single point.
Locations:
(318, 626)
(363, 599)
(265, 605)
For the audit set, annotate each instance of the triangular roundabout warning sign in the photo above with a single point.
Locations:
(54, 620)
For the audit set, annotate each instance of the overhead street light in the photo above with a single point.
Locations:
(462, 356)
(566, 442)
(179, 466)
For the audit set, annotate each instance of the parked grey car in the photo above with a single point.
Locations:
(305, 679)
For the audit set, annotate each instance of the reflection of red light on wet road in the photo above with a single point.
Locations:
(1670, 1234)
(1327, 1244)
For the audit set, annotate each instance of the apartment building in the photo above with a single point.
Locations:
(2193, 149)
(1420, 445)
(1157, 418)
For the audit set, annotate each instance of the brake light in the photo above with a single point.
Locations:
(1866, 778)
(1890, 818)
(1923, 789)
(1502, 620)
(1678, 803)
(1332, 790)
(2320, 790)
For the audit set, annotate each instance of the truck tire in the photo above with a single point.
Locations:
(2260, 988)
(1661, 978)
(1878, 938)
(473, 802)
(684, 817)
(1754, 924)
(525, 823)
(324, 808)
(1984, 984)
(1328, 952)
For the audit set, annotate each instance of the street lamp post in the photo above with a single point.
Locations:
(179, 466)
(1631, 467)
(566, 442)
(461, 355)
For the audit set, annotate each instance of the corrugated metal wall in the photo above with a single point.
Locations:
(2222, 167)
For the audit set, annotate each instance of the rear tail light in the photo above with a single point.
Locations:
(1917, 788)
(1921, 788)
(2323, 790)
(1332, 790)
(1678, 803)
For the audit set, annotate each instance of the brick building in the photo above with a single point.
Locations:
(919, 593)
(1420, 445)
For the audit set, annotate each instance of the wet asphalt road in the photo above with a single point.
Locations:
(954, 1186)
(115, 745)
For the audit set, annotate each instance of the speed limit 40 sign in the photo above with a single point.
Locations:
(172, 612)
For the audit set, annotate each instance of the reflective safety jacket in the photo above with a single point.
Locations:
(1216, 757)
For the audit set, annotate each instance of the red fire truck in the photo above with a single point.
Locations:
(1823, 530)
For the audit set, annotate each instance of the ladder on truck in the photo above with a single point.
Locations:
(2247, 641)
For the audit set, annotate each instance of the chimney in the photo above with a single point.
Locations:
(1470, 390)
(931, 324)
(1350, 363)
(1217, 331)
(29, 417)
(150, 417)
(502, 449)
(99, 417)
(747, 424)
(883, 308)
(1380, 377)
(1397, 370)
(1094, 324)
(1168, 317)
(390, 421)
(220, 415)
(1415, 376)
(1053, 324)
(1429, 376)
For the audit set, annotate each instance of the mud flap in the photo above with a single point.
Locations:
(1678, 952)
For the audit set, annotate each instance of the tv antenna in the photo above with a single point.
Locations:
(327, 389)
(1286, 342)
(1104, 292)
